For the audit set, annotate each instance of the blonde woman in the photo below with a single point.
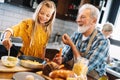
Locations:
(34, 32)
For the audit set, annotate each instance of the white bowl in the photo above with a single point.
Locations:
(9, 62)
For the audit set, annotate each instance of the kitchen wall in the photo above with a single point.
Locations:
(12, 14)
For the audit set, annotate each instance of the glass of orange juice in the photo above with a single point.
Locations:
(81, 67)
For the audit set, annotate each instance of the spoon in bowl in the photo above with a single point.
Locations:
(8, 54)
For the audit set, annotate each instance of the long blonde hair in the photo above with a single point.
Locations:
(49, 24)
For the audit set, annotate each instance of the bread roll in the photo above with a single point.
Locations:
(49, 67)
(61, 74)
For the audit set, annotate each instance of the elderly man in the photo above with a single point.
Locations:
(87, 42)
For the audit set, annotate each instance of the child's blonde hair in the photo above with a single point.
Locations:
(107, 27)
(49, 24)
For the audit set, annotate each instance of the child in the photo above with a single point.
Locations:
(34, 32)
(107, 29)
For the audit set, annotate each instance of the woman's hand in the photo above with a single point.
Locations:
(6, 39)
(7, 43)
(67, 40)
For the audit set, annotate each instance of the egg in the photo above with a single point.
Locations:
(29, 77)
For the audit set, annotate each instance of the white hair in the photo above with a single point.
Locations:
(94, 10)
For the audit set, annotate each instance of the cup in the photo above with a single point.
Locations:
(81, 67)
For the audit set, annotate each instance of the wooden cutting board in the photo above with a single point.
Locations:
(41, 74)
(17, 68)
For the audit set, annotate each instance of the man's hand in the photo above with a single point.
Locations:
(66, 40)
(57, 59)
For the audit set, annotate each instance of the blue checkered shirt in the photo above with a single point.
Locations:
(99, 51)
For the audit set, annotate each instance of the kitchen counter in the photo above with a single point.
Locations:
(15, 41)
(55, 45)
(113, 68)
(112, 72)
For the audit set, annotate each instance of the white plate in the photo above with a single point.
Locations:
(23, 75)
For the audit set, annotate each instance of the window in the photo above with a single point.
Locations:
(114, 52)
(115, 49)
(116, 32)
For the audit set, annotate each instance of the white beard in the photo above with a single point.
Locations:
(83, 29)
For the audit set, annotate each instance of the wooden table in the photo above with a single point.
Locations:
(7, 73)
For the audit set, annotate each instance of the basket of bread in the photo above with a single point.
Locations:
(59, 72)
(54, 71)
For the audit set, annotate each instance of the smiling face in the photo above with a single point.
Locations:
(45, 14)
(107, 33)
(84, 20)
